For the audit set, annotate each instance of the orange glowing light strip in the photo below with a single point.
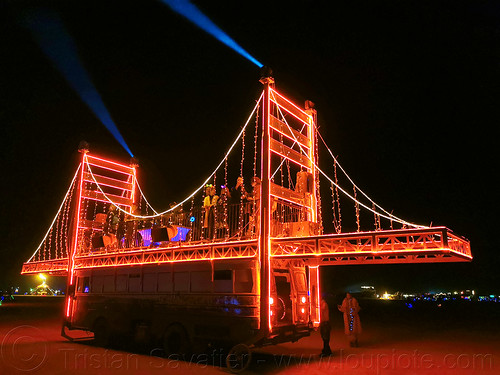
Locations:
(140, 250)
(132, 263)
(108, 185)
(109, 161)
(109, 197)
(440, 232)
(309, 155)
(92, 228)
(106, 201)
(312, 149)
(292, 160)
(144, 252)
(318, 302)
(292, 105)
(375, 252)
(268, 197)
(109, 182)
(134, 179)
(291, 201)
(109, 169)
(77, 232)
(291, 137)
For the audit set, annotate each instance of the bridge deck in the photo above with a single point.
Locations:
(426, 245)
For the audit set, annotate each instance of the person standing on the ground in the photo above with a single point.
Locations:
(325, 327)
(352, 324)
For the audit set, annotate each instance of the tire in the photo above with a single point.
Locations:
(176, 341)
(239, 358)
(101, 332)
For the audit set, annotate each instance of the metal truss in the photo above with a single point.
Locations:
(424, 245)
(57, 267)
(427, 245)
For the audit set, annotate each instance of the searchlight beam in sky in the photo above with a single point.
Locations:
(52, 37)
(188, 10)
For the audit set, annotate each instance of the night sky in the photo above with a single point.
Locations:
(407, 95)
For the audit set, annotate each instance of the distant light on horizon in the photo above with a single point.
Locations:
(191, 12)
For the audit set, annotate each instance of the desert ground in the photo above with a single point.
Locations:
(453, 338)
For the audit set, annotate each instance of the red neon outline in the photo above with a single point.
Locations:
(293, 105)
(109, 169)
(375, 252)
(109, 178)
(291, 138)
(77, 233)
(110, 201)
(268, 197)
(157, 262)
(290, 201)
(91, 180)
(134, 179)
(109, 161)
(314, 201)
(293, 161)
(109, 196)
(105, 184)
(318, 295)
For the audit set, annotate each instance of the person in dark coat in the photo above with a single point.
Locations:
(325, 327)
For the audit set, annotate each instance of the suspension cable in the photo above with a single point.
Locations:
(195, 191)
(391, 217)
(351, 181)
(58, 211)
(143, 196)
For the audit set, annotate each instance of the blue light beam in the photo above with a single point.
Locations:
(52, 37)
(188, 10)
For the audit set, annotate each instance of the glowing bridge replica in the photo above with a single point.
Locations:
(84, 234)
(268, 214)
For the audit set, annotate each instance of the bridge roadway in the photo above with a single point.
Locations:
(421, 245)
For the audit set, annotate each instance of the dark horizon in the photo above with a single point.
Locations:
(406, 97)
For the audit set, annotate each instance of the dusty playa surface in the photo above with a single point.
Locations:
(455, 338)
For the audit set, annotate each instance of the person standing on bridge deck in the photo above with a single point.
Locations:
(325, 327)
(253, 206)
(352, 325)
(236, 197)
(111, 227)
(208, 205)
(222, 210)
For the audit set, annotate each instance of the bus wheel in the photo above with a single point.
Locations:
(101, 332)
(239, 358)
(176, 341)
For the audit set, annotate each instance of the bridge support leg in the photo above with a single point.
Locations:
(314, 294)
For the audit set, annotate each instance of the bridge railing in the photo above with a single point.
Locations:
(221, 223)
(404, 241)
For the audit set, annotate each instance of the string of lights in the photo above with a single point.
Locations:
(67, 207)
(225, 202)
(316, 174)
(57, 214)
(255, 139)
(214, 234)
(352, 182)
(196, 190)
(356, 205)
(143, 196)
(337, 195)
(389, 217)
(334, 216)
(284, 159)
